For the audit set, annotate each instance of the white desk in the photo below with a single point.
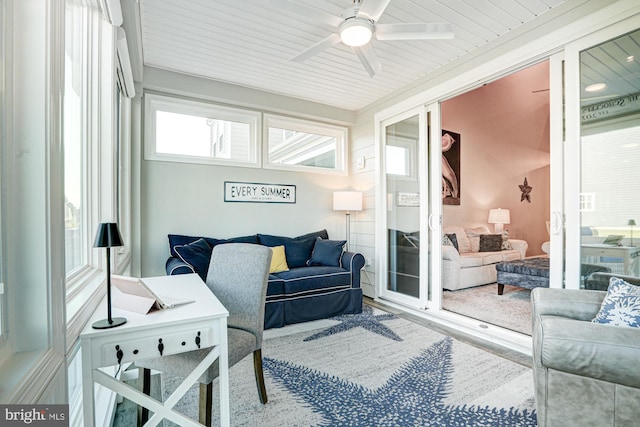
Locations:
(138, 339)
(629, 255)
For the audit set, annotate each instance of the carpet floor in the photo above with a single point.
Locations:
(511, 310)
(373, 369)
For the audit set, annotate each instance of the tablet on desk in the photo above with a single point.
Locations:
(136, 296)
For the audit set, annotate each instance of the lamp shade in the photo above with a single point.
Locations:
(108, 236)
(347, 201)
(499, 216)
(632, 222)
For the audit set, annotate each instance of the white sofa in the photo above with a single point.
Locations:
(468, 267)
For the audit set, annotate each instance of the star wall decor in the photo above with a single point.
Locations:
(526, 191)
(415, 395)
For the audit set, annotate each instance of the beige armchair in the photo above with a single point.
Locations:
(585, 374)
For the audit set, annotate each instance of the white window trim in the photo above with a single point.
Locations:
(340, 133)
(85, 286)
(156, 102)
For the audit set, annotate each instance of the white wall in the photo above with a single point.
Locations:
(181, 198)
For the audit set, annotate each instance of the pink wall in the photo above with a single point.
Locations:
(504, 128)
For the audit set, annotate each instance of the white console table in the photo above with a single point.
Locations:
(629, 255)
(200, 324)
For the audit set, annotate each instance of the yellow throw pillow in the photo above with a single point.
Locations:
(278, 260)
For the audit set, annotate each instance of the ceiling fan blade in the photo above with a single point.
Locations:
(368, 58)
(372, 8)
(323, 44)
(433, 31)
(310, 12)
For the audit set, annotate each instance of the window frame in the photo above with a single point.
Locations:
(154, 102)
(85, 285)
(340, 133)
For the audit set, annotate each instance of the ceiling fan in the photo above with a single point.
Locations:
(357, 24)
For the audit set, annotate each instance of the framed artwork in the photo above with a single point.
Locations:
(450, 168)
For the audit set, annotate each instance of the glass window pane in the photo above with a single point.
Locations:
(200, 136)
(397, 160)
(301, 148)
(192, 131)
(403, 207)
(73, 137)
(298, 144)
(610, 179)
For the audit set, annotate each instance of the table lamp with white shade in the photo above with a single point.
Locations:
(499, 217)
(347, 201)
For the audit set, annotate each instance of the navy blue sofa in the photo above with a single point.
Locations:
(313, 288)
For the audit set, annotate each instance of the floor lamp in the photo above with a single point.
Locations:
(631, 223)
(347, 201)
(108, 236)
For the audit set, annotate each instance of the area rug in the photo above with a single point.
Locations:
(511, 310)
(374, 369)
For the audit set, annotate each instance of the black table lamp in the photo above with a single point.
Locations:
(108, 236)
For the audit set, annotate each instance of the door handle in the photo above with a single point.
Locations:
(430, 221)
(556, 222)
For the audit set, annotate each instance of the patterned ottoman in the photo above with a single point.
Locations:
(525, 273)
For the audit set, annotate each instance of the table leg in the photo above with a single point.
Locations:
(145, 375)
(88, 404)
(223, 375)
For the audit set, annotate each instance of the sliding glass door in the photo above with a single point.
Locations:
(601, 230)
(404, 186)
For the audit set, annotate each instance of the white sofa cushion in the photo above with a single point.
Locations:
(477, 259)
(492, 257)
(511, 255)
(473, 234)
(463, 241)
(471, 259)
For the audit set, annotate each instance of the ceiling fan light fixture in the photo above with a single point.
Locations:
(356, 32)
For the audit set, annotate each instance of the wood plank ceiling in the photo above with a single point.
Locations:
(250, 43)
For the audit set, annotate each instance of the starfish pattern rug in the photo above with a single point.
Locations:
(374, 369)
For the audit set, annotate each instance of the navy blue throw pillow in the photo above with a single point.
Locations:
(454, 240)
(197, 254)
(180, 240)
(327, 252)
(297, 251)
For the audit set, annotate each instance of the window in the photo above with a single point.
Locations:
(74, 134)
(400, 154)
(92, 161)
(182, 130)
(296, 144)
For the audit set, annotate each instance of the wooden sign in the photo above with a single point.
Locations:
(253, 192)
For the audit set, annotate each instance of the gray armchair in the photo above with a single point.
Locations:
(238, 275)
(585, 374)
